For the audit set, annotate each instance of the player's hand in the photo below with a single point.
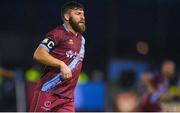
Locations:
(65, 70)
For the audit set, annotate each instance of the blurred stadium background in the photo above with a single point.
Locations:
(124, 39)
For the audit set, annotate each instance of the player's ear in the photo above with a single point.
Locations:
(66, 17)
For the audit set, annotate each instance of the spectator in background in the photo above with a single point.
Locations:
(6, 73)
(126, 99)
(83, 78)
(157, 87)
(126, 80)
(7, 93)
(32, 76)
(97, 75)
(126, 102)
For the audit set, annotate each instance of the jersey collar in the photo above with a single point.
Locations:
(65, 27)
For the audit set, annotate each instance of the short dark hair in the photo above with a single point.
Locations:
(69, 6)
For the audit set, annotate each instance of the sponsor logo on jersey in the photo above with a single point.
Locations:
(71, 54)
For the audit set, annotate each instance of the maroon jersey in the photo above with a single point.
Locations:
(161, 84)
(150, 101)
(65, 46)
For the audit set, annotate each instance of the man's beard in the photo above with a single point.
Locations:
(77, 26)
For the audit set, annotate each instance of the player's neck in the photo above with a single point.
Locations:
(71, 29)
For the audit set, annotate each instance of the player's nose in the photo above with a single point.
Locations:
(83, 17)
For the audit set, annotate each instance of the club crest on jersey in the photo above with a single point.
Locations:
(45, 40)
(47, 103)
(46, 106)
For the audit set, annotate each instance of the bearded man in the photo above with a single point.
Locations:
(62, 53)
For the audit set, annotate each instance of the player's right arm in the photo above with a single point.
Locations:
(43, 56)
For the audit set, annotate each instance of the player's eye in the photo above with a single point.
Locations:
(78, 13)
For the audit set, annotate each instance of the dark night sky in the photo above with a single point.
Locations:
(122, 22)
